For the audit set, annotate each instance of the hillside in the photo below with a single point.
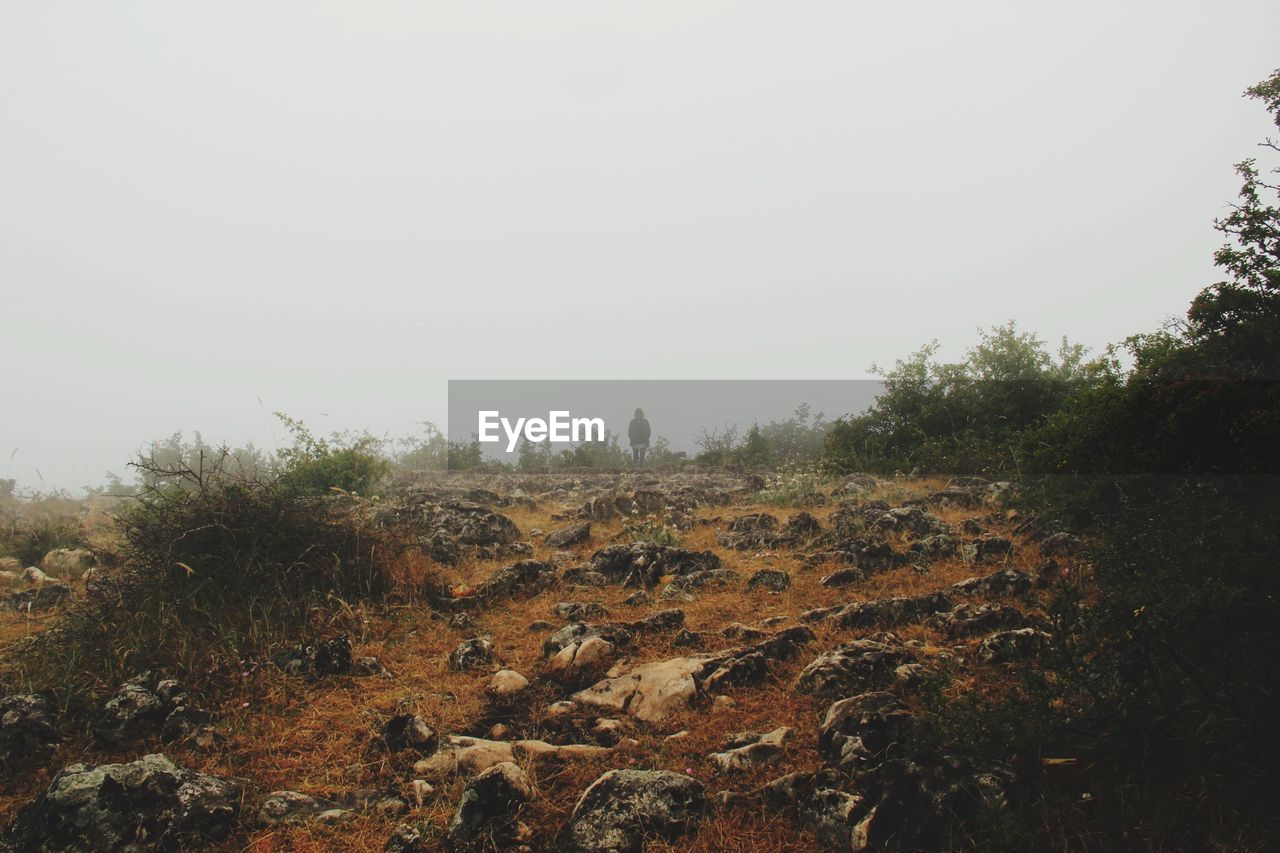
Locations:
(657, 623)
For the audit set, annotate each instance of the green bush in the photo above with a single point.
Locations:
(216, 566)
(959, 418)
(315, 466)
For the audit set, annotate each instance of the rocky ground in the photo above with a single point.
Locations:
(606, 661)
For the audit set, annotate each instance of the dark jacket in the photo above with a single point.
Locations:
(638, 431)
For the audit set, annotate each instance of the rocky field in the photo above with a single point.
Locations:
(603, 661)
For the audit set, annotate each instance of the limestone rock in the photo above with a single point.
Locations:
(623, 808)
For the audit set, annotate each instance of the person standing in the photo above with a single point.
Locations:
(638, 434)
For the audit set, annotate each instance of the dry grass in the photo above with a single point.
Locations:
(283, 733)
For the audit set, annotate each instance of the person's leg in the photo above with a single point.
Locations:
(635, 456)
(641, 451)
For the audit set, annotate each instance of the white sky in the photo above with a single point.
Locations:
(210, 211)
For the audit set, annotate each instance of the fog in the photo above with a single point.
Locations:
(210, 212)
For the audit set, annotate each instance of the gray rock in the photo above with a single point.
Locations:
(972, 619)
(42, 597)
(1009, 646)
(315, 659)
(642, 564)
(28, 730)
(686, 584)
(579, 632)
(1058, 544)
(843, 577)
(579, 611)
(147, 705)
(472, 524)
(686, 638)
(148, 804)
(1003, 582)
(887, 612)
(478, 651)
(525, 578)
(860, 732)
(623, 808)
(565, 537)
(853, 668)
(407, 732)
(639, 598)
(284, 808)
(738, 631)
(771, 579)
(662, 621)
(489, 805)
(749, 751)
(68, 563)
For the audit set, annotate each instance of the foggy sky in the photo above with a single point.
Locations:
(212, 211)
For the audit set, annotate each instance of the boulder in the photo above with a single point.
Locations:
(1009, 646)
(887, 612)
(853, 668)
(315, 659)
(684, 585)
(284, 808)
(867, 554)
(525, 578)
(41, 597)
(477, 651)
(599, 509)
(1059, 544)
(566, 537)
(489, 805)
(800, 526)
(650, 691)
(642, 564)
(749, 751)
(655, 690)
(912, 519)
(972, 619)
(843, 577)
(754, 521)
(28, 730)
(147, 705)
(579, 611)
(148, 804)
(405, 732)
(934, 547)
(659, 622)
(468, 756)
(68, 563)
(581, 661)
(506, 685)
(471, 524)
(564, 645)
(624, 808)
(770, 579)
(738, 631)
(860, 732)
(1001, 583)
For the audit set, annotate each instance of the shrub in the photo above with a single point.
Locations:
(959, 418)
(217, 566)
(315, 466)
